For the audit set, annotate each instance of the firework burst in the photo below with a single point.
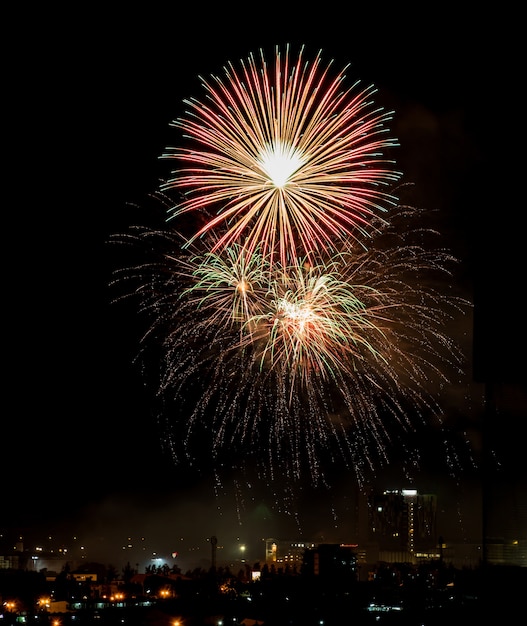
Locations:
(284, 158)
(290, 366)
(306, 319)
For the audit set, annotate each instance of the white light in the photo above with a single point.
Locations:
(280, 162)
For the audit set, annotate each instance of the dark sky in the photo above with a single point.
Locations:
(90, 98)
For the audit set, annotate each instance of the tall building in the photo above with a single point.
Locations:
(403, 521)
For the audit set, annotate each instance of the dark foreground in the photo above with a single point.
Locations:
(494, 596)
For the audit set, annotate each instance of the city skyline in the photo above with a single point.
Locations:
(388, 525)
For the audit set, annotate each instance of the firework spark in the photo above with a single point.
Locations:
(290, 364)
(285, 158)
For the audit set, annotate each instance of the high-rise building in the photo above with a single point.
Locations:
(403, 520)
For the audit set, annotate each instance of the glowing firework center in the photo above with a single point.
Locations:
(280, 162)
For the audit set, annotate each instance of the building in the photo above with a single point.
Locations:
(286, 553)
(331, 561)
(403, 525)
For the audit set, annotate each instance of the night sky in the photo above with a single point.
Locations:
(90, 98)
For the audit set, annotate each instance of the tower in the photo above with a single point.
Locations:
(213, 545)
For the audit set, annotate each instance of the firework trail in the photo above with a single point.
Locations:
(284, 160)
(291, 366)
(304, 320)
